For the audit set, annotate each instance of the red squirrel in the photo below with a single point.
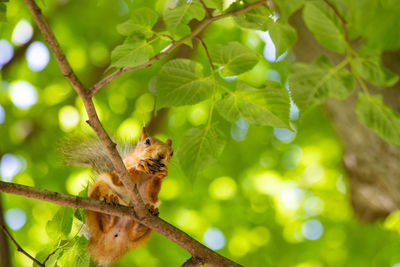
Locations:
(110, 236)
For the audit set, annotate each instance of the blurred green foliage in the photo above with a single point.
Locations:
(271, 196)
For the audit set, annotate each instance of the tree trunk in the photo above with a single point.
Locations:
(372, 165)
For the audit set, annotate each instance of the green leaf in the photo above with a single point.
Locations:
(141, 22)
(182, 14)
(316, 82)
(287, 7)
(76, 256)
(371, 69)
(269, 105)
(61, 223)
(80, 213)
(284, 36)
(380, 118)
(258, 18)
(131, 54)
(3, 12)
(181, 82)
(216, 4)
(200, 147)
(325, 25)
(234, 57)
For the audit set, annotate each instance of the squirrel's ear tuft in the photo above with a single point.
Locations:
(169, 142)
(143, 135)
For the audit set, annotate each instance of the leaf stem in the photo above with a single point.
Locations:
(208, 20)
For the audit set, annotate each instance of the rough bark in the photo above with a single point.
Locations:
(372, 165)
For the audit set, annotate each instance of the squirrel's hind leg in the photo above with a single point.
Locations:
(101, 191)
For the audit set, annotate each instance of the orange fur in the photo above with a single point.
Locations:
(112, 237)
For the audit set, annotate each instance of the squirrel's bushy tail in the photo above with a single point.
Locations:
(88, 151)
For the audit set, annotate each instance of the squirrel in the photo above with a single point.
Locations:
(111, 236)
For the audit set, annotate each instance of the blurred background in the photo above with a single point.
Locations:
(273, 198)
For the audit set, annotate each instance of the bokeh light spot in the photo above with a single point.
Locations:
(313, 173)
(38, 56)
(284, 135)
(396, 265)
(214, 238)
(239, 130)
(23, 94)
(22, 32)
(2, 114)
(313, 206)
(77, 57)
(15, 218)
(9, 167)
(239, 245)
(189, 220)
(260, 236)
(341, 185)
(312, 229)
(6, 52)
(68, 117)
(78, 181)
(117, 103)
(99, 54)
(145, 103)
(222, 188)
(198, 114)
(129, 130)
(291, 197)
(170, 189)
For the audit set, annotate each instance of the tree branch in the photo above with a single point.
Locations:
(198, 250)
(93, 121)
(19, 248)
(208, 20)
(192, 262)
(140, 213)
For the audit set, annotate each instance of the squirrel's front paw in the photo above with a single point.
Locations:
(111, 199)
(152, 209)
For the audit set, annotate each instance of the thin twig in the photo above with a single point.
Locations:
(19, 248)
(207, 53)
(140, 213)
(95, 88)
(208, 14)
(93, 121)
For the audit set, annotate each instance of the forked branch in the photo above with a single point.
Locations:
(201, 254)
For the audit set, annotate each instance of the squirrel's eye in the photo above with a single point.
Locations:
(147, 141)
(172, 153)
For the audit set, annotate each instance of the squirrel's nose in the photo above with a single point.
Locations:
(161, 156)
